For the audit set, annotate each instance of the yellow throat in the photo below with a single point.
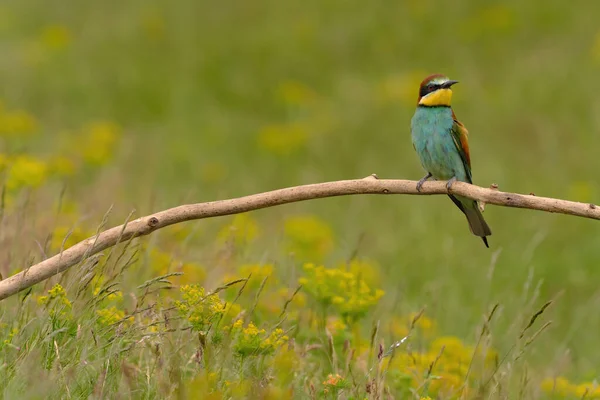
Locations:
(441, 97)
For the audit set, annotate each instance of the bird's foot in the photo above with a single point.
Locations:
(450, 183)
(422, 181)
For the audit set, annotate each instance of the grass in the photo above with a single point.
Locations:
(147, 105)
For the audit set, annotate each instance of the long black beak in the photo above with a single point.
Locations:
(448, 84)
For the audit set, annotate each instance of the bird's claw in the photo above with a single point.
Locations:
(422, 181)
(450, 183)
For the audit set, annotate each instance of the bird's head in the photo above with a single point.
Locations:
(435, 90)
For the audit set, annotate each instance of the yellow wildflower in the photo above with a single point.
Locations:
(110, 316)
(365, 269)
(200, 309)
(9, 336)
(60, 305)
(26, 171)
(349, 295)
(56, 291)
(561, 386)
(252, 341)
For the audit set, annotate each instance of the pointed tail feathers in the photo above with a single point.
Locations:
(477, 224)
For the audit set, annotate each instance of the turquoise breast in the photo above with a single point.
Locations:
(431, 136)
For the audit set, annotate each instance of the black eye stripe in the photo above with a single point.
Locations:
(432, 87)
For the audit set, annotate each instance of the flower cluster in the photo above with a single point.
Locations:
(110, 316)
(200, 309)
(443, 367)
(8, 336)
(58, 294)
(561, 386)
(24, 171)
(251, 341)
(334, 384)
(342, 289)
(60, 307)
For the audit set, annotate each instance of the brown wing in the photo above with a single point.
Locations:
(461, 140)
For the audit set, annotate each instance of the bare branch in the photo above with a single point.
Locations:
(369, 185)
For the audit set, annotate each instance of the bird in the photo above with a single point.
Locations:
(442, 144)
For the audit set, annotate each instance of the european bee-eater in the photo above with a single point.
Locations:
(441, 142)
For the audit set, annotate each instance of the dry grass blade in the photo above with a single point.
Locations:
(534, 317)
(228, 285)
(484, 329)
(288, 301)
(532, 339)
(372, 342)
(159, 279)
(258, 293)
(331, 351)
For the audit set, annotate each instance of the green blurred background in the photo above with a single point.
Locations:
(214, 100)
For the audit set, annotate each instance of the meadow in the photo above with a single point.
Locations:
(111, 109)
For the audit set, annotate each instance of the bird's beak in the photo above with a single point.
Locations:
(449, 84)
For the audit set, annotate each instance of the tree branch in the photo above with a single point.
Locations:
(369, 185)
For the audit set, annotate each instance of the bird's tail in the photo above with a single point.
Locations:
(477, 224)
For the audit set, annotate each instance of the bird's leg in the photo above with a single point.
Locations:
(422, 181)
(450, 183)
